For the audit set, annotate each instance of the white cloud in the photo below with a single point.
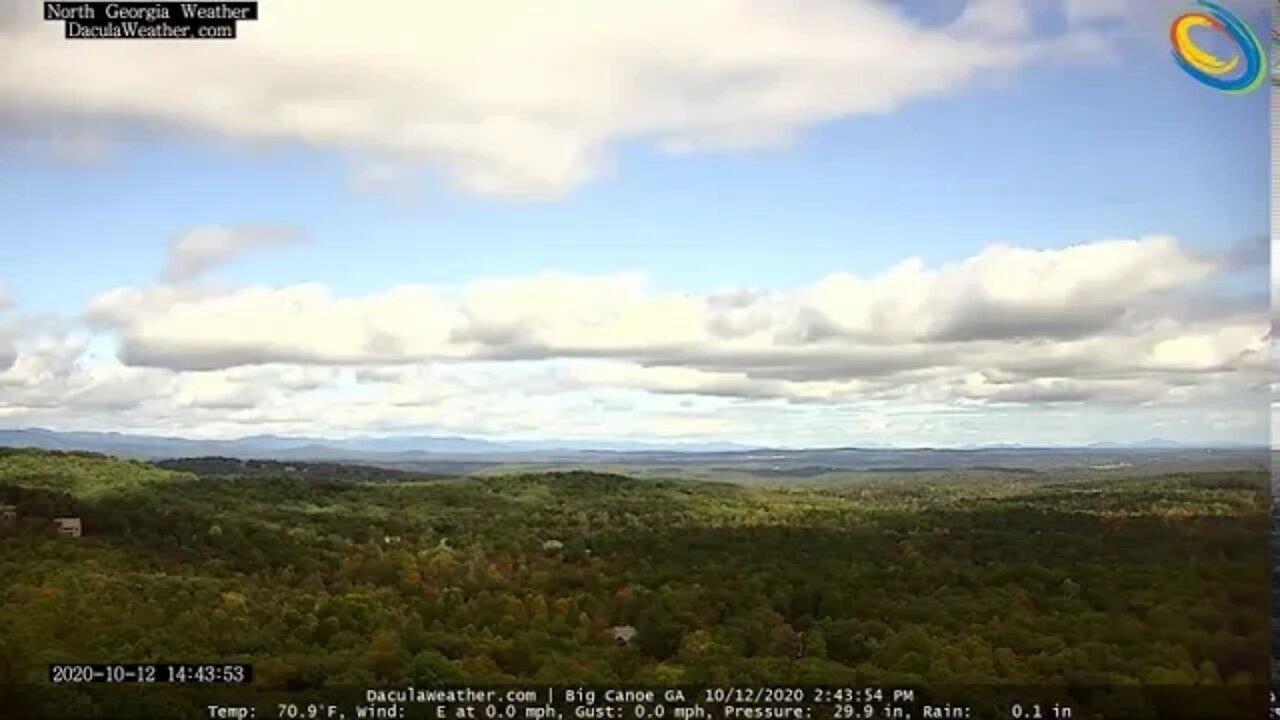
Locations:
(1064, 345)
(1057, 307)
(525, 98)
(530, 99)
(44, 362)
(199, 250)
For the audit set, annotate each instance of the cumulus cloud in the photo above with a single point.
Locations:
(1056, 304)
(1007, 343)
(1115, 322)
(200, 250)
(526, 99)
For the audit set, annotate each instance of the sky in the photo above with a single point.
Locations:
(818, 223)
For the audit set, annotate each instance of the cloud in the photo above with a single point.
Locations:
(527, 99)
(1072, 344)
(1115, 322)
(200, 250)
(979, 386)
(218, 391)
(841, 326)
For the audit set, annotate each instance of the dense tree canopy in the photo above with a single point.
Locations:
(351, 581)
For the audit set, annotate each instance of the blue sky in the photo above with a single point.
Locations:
(1064, 156)
(1043, 156)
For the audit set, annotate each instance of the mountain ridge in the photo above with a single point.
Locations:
(262, 446)
(410, 447)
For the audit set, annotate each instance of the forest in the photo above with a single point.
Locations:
(357, 578)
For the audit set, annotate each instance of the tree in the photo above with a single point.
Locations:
(385, 656)
(430, 667)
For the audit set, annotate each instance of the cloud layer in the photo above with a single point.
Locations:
(526, 99)
(200, 250)
(1012, 334)
(531, 100)
(1054, 306)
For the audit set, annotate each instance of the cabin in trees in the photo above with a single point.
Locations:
(68, 526)
(622, 634)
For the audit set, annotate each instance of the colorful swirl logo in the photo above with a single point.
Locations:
(1226, 75)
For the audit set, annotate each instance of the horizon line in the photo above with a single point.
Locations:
(584, 444)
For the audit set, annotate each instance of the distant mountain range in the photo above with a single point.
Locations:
(408, 448)
(1153, 443)
(311, 448)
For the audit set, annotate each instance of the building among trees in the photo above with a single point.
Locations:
(623, 634)
(68, 526)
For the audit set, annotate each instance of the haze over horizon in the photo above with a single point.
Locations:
(99, 441)
(850, 223)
